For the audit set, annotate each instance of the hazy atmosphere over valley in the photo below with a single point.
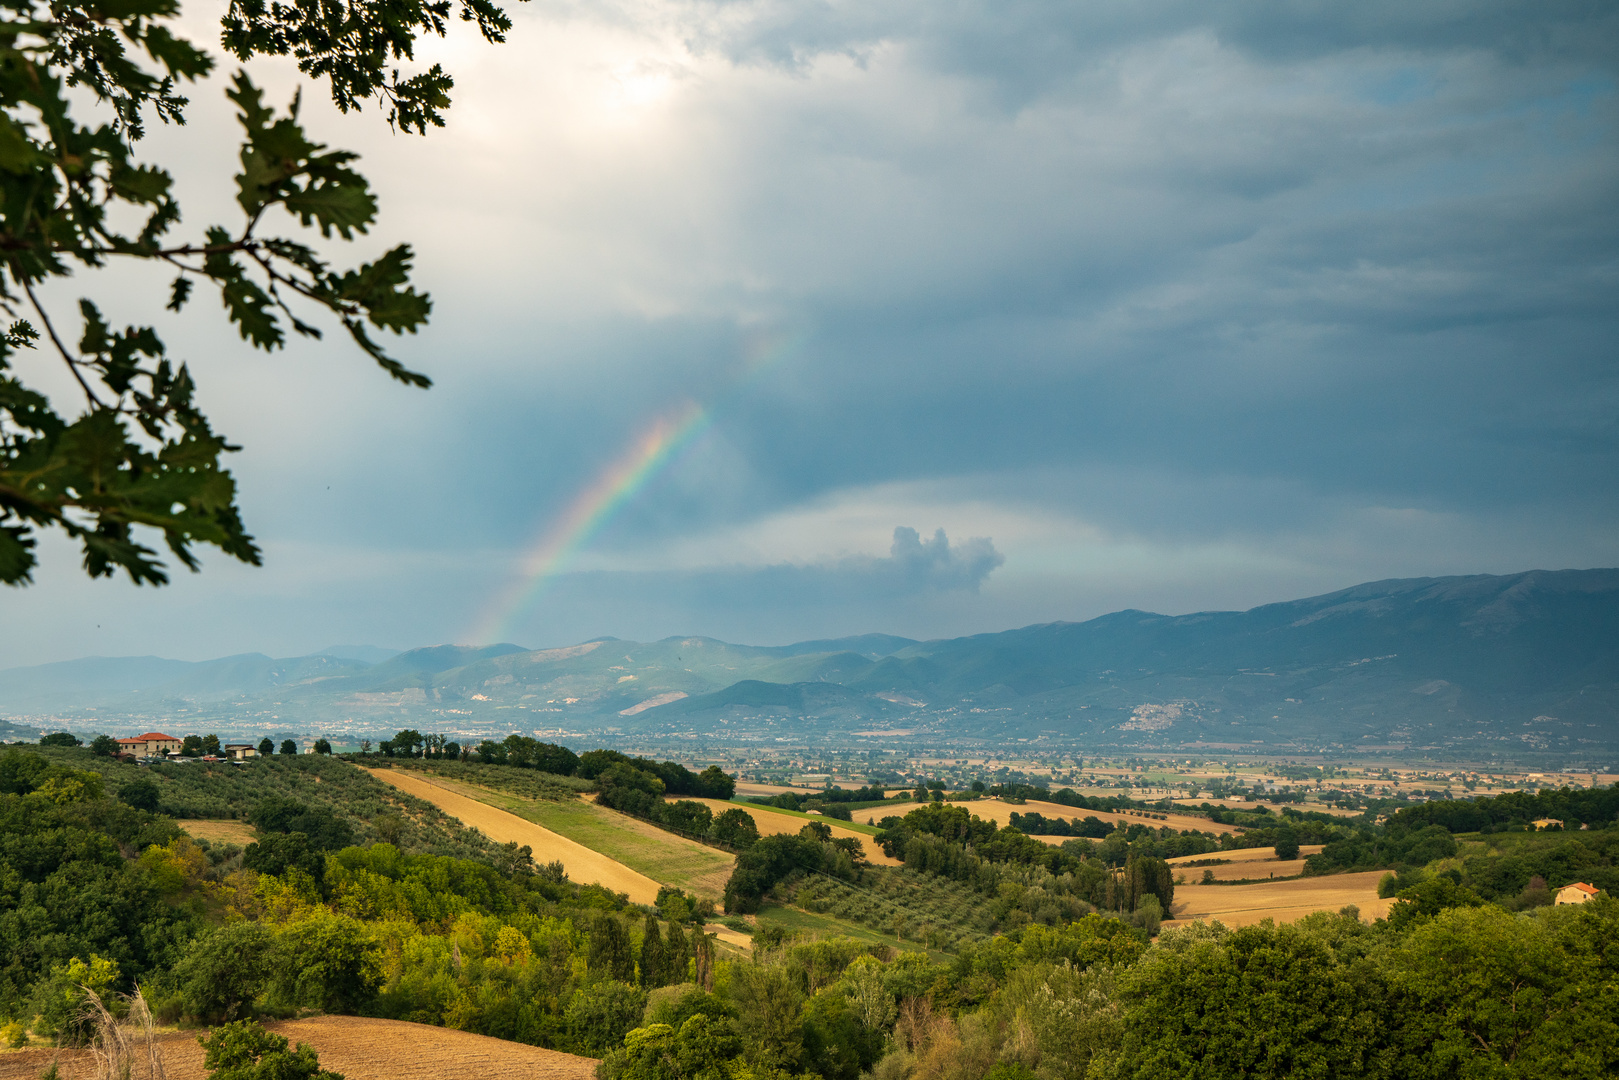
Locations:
(1174, 307)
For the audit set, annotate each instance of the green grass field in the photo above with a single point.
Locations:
(642, 847)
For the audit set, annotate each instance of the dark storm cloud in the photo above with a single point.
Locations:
(1359, 253)
(1024, 46)
(1286, 295)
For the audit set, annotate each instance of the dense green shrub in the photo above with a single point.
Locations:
(224, 971)
(245, 1051)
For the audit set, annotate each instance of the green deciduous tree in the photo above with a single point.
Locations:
(1486, 993)
(407, 741)
(1422, 902)
(224, 969)
(715, 783)
(701, 1048)
(735, 828)
(60, 738)
(59, 999)
(137, 452)
(327, 962)
(142, 793)
(245, 1051)
(1262, 1001)
(600, 1014)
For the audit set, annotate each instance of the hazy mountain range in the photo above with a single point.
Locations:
(1517, 663)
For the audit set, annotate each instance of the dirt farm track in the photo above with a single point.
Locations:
(360, 1049)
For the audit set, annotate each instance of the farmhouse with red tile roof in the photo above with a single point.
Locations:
(1577, 893)
(151, 745)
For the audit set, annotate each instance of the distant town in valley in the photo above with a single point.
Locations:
(1477, 675)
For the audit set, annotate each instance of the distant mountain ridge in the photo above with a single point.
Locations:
(1522, 662)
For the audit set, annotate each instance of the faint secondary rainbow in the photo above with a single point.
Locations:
(590, 510)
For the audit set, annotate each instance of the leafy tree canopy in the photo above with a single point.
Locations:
(137, 452)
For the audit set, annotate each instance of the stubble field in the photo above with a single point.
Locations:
(1284, 901)
(359, 1048)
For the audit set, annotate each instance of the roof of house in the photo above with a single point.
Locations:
(151, 736)
(1583, 886)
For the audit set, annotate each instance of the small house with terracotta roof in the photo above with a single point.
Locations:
(1577, 893)
(153, 744)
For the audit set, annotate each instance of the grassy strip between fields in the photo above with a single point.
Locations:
(672, 861)
(869, 830)
(797, 920)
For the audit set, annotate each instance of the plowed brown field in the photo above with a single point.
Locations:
(1284, 901)
(583, 865)
(360, 1049)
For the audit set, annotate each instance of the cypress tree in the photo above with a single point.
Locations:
(675, 954)
(654, 968)
(610, 950)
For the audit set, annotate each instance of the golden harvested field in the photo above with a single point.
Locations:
(360, 1049)
(1275, 808)
(583, 865)
(1244, 864)
(226, 832)
(771, 823)
(1001, 813)
(643, 847)
(1284, 901)
(1252, 854)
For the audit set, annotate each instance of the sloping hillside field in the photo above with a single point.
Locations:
(359, 1048)
(1284, 901)
(583, 865)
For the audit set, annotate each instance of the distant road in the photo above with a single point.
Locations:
(583, 865)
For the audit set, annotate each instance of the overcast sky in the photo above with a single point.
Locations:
(1165, 305)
